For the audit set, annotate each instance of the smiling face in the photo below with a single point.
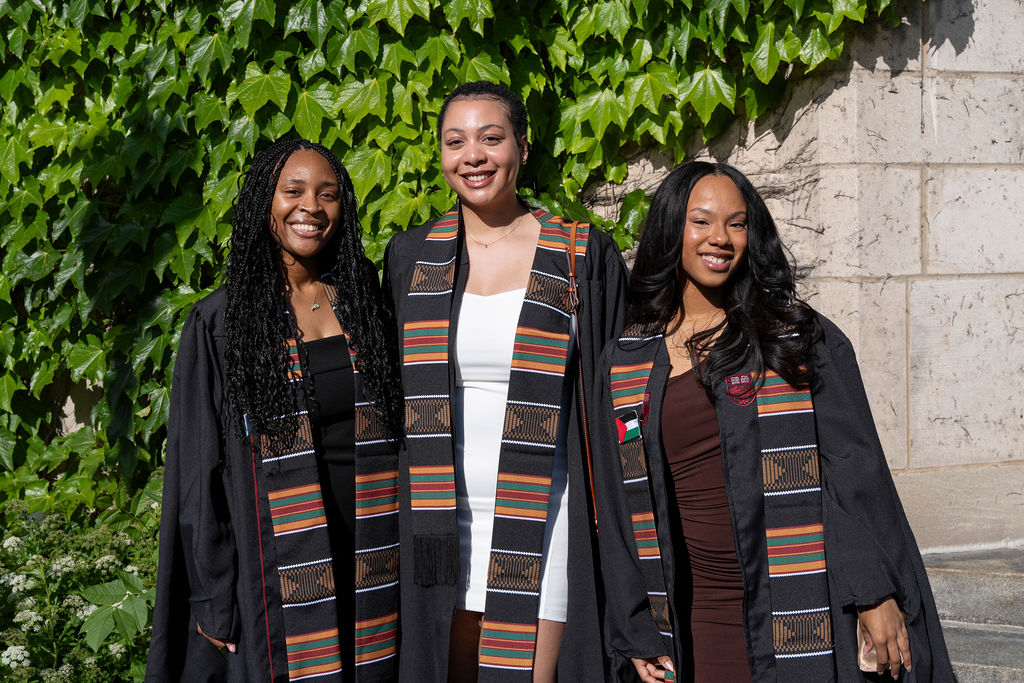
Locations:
(306, 208)
(715, 233)
(480, 154)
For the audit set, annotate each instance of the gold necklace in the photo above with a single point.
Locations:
(515, 226)
(316, 295)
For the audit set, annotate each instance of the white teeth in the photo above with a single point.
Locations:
(717, 260)
(477, 178)
(306, 227)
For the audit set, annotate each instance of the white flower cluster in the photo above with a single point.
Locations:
(117, 649)
(85, 611)
(29, 619)
(107, 564)
(16, 582)
(73, 601)
(16, 657)
(12, 544)
(63, 566)
(65, 674)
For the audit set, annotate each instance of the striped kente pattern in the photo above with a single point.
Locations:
(776, 397)
(312, 655)
(646, 536)
(629, 384)
(297, 509)
(425, 341)
(522, 496)
(805, 634)
(540, 351)
(376, 494)
(796, 550)
(554, 234)
(432, 486)
(445, 228)
(376, 639)
(507, 646)
(294, 367)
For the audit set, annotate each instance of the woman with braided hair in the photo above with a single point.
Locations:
(278, 540)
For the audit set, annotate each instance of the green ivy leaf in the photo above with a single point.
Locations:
(815, 48)
(611, 16)
(648, 88)
(399, 12)
(368, 166)
(258, 88)
(87, 359)
(365, 40)
(437, 50)
(309, 17)
(207, 109)
(765, 59)
(360, 99)
(13, 153)
(601, 108)
(797, 6)
(475, 11)
(204, 50)
(308, 116)
(9, 385)
(708, 88)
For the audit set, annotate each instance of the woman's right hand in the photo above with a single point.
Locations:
(653, 670)
(221, 644)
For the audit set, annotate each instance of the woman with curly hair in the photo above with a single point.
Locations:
(749, 527)
(497, 540)
(278, 540)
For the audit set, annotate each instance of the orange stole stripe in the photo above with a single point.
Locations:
(795, 530)
(308, 637)
(296, 491)
(796, 568)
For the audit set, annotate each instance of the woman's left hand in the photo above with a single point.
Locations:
(885, 629)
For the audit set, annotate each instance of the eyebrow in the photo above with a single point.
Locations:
(734, 214)
(453, 129)
(302, 181)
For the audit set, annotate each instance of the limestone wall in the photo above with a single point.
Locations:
(897, 178)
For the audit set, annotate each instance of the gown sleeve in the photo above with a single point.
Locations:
(196, 533)
(629, 628)
(869, 546)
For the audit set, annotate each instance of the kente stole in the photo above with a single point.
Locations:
(791, 483)
(530, 434)
(296, 545)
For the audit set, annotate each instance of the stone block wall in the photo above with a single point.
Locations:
(897, 180)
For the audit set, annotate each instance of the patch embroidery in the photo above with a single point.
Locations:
(628, 426)
(740, 389)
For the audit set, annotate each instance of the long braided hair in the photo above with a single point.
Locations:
(258, 317)
(764, 321)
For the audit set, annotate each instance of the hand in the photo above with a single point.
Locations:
(221, 644)
(653, 670)
(885, 629)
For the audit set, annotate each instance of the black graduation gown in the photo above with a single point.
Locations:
(210, 546)
(870, 549)
(601, 287)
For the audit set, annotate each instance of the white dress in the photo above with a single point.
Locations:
(483, 361)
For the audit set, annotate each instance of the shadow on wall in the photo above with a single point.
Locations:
(877, 48)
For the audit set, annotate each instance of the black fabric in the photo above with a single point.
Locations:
(218, 560)
(428, 601)
(334, 423)
(871, 552)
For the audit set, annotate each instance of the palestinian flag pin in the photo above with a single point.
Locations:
(628, 426)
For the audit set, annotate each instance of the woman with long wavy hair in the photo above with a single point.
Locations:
(278, 540)
(749, 527)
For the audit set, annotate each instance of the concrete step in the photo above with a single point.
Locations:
(982, 653)
(979, 587)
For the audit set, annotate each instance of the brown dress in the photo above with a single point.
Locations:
(689, 431)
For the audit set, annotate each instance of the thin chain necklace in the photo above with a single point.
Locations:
(515, 226)
(316, 295)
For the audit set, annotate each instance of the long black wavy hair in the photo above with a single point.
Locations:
(764, 320)
(258, 316)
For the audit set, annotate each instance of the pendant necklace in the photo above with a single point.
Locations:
(515, 226)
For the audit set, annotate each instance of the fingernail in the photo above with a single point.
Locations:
(231, 648)
(668, 665)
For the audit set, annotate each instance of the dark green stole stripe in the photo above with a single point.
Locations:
(529, 439)
(801, 617)
(298, 558)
